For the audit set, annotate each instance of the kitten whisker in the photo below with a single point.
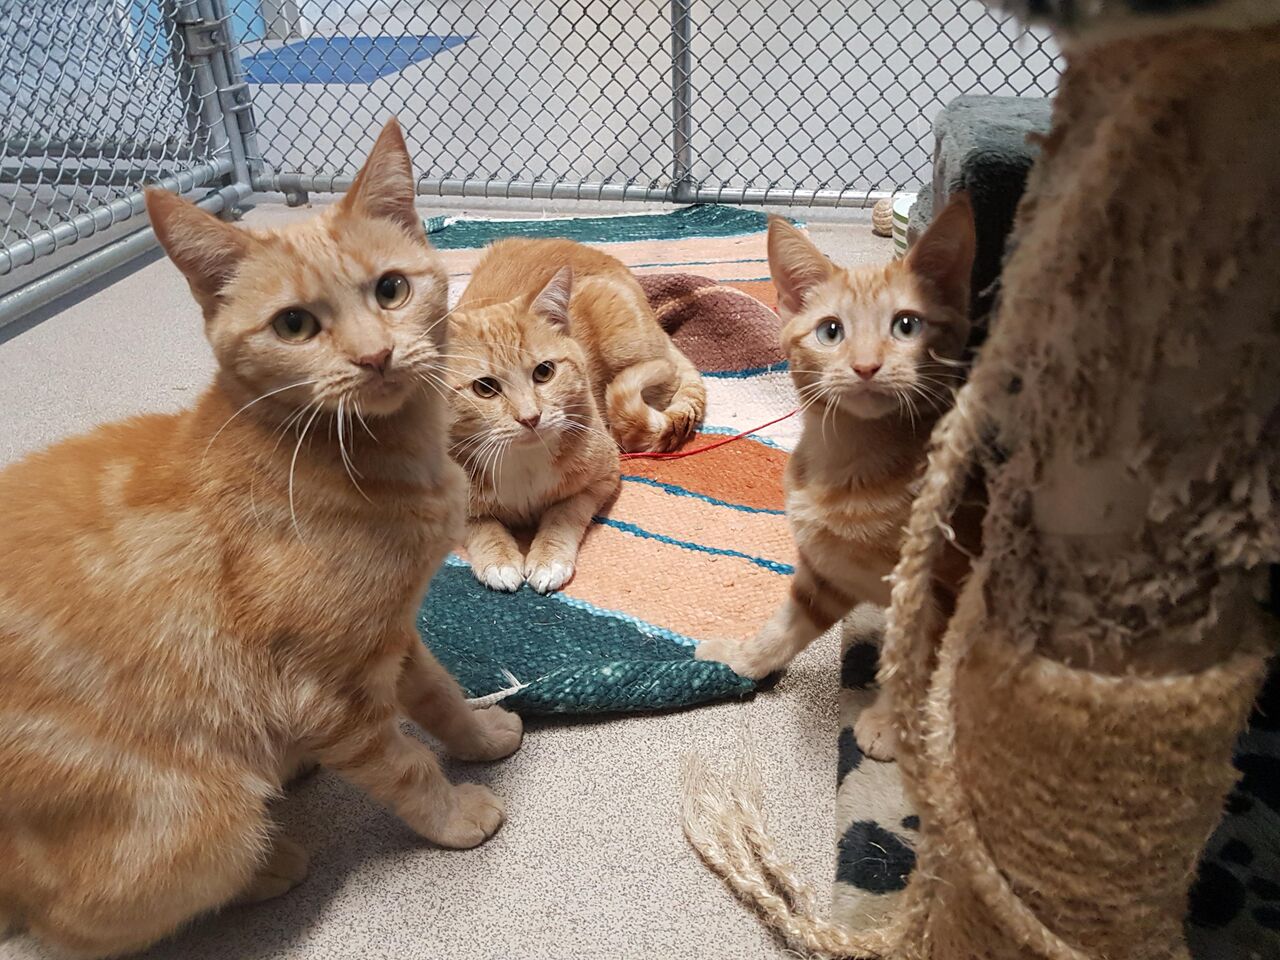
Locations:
(292, 464)
(342, 451)
(947, 361)
(269, 393)
(356, 406)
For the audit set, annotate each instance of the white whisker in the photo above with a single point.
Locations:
(292, 464)
(270, 393)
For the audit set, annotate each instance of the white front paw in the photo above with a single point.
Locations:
(506, 577)
(545, 577)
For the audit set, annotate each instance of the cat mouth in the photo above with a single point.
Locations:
(383, 394)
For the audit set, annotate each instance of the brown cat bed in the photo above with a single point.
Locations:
(1066, 736)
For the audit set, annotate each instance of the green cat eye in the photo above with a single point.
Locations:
(906, 326)
(295, 325)
(829, 332)
(486, 387)
(391, 290)
(544, 371)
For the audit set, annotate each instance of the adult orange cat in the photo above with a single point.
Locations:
(873, 353)
(192, 602)
(557, 360)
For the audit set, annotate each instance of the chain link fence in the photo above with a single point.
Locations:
(101, 97)
(748, 101)
(740, 101)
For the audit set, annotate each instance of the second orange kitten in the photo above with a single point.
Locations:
(873, 353)
(558, 360)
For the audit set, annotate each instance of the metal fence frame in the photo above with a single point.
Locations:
(211, 84)
(227, 166)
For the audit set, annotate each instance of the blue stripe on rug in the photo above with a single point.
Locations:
(748, 373)
(771, 565)
(682, 492)
(699, 220)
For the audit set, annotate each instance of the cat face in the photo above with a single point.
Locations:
(878, 340)
(342, 313)
(516, 377)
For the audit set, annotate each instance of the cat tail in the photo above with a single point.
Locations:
(639, 427)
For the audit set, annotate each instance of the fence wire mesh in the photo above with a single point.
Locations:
(782, 101)
(805, 101)
(99, 98)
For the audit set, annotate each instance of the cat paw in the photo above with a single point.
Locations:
(876, 734)
(473, 816)
(743, 657)
(285, 868)
(549, 576)
(497, 733)
(506, 577)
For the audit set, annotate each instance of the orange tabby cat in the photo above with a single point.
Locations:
(556, 354)
(193, 602)
(873, 354)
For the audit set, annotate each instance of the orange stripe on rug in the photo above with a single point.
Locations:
(744, 472)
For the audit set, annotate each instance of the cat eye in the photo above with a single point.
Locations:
(906, 326)
(391, 290)
(486, 387)
(295, 325)
(544, 371)
(829, 332)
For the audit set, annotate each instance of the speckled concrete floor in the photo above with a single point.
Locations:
(591, 863)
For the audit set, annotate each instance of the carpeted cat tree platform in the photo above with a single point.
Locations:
(1067, 732)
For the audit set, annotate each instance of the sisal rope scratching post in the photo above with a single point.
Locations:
(1066, 735)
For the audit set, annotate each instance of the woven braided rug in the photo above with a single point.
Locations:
(692, 548)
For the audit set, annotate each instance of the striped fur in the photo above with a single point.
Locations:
(543, 455)
(206, 597)
(853, 475)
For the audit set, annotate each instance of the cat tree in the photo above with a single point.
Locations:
(1066, 735)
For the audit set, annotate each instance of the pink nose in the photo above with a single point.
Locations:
(866, 372)
(378, 362)
(530, 421)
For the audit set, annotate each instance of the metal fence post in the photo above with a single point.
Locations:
(209, 51)
(682, 182)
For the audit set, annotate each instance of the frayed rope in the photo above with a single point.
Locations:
(723, 821)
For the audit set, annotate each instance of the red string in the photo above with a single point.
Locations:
(677, 454)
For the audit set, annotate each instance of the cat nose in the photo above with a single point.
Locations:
(530, 421)
(378, 362)
(866, 371)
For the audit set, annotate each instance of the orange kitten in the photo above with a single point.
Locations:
(556, 354)
(873, 354)
(204, 598)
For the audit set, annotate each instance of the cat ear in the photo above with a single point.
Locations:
(552, 301)
(795, 264)
(207, 250)
(943, 254)
(384, 187)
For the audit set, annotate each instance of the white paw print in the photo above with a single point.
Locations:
(545, 577)
(506, 578)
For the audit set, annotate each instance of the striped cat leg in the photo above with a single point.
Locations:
(814, 604)
(364, 744)
(494, 555)
(433, 700)
(554, 550)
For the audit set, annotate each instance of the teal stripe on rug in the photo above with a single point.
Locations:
(701, 220)
(571, 657)
(764, 562)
